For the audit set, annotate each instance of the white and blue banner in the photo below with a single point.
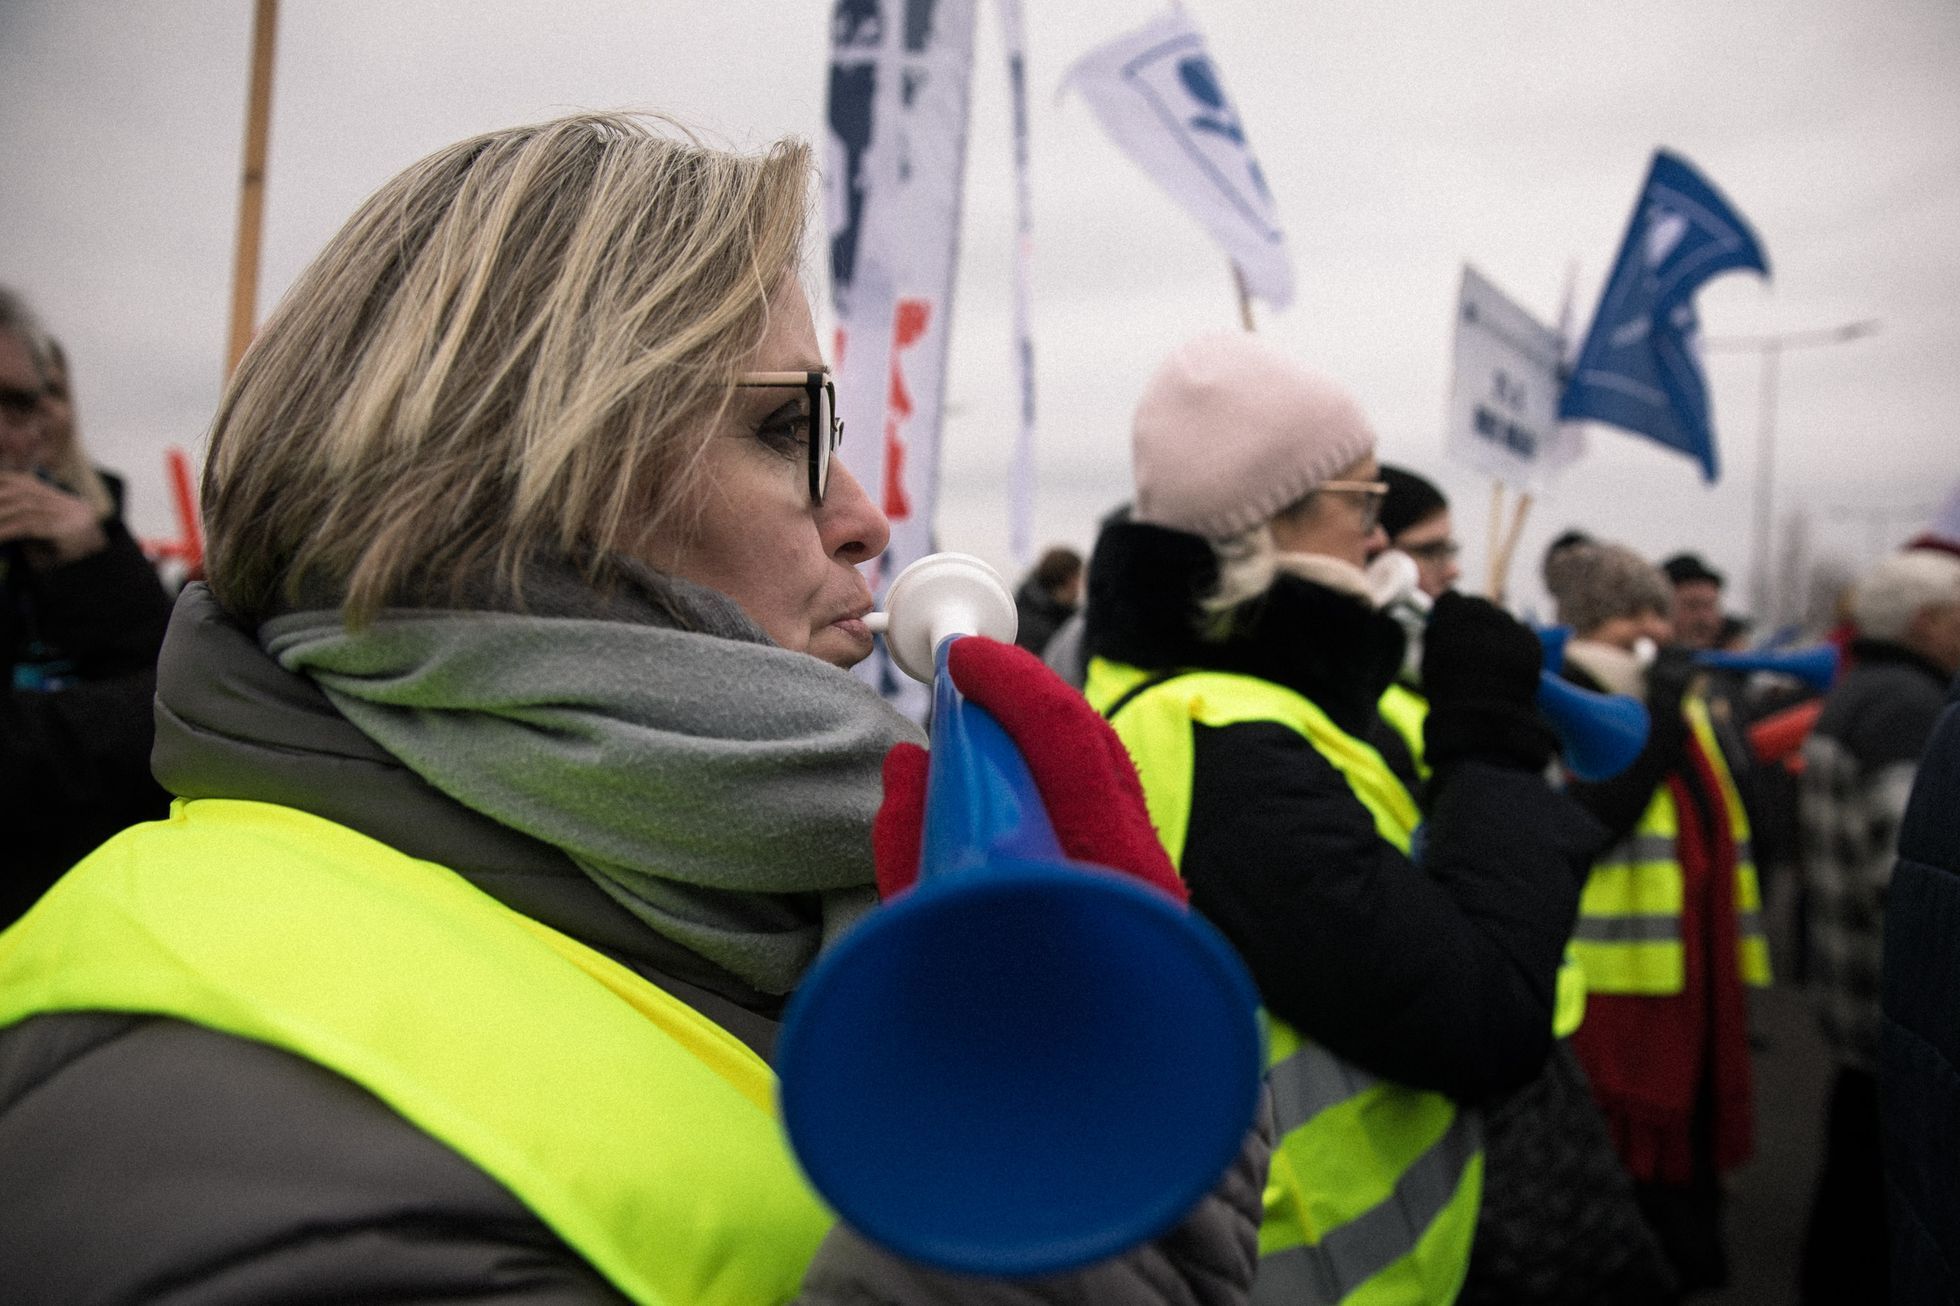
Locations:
(900, 71)
(1159, 95)
(1640, 365)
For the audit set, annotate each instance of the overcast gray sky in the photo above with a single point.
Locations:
(1399, 139)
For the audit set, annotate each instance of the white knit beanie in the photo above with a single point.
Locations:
(1229, 431)
(1892, 593)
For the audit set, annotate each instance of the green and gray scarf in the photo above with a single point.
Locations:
(719, 787)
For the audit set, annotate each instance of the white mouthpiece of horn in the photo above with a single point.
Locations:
(940, 595)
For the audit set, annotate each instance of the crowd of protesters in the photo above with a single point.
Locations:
(509, 741)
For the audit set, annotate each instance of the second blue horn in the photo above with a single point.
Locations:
(1022, 1064)
(1599, 734)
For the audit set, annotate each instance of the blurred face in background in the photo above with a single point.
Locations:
(1432, 543)
(1697, 616)
(1627, 632)
(21, 430)
(1344, 524)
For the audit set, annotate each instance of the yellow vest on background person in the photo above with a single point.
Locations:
(1405, 710)
(521, 1049)
(1629, 933)
(1373, 1193)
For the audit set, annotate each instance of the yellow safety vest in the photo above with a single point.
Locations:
(1405, 711)
(1629, 934)
(1373, 1193)
(641, 1132)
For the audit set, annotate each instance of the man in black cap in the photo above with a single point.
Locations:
(1416, 518)
(1697, 612)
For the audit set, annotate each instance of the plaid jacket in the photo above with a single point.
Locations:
(1859, 764)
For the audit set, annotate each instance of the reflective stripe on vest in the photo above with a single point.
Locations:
(1629, 933)
(521, 1049)
(1374, 1187)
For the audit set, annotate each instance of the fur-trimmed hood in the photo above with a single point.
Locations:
(1146, 587)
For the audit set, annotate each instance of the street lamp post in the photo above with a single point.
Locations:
(1771, 348)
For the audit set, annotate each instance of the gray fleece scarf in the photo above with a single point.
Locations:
(719, 787)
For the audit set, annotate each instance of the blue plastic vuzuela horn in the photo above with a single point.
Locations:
(1023, 1064)
(1816, 667)
(1599, 734)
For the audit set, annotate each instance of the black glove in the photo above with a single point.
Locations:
(1673, 670)
(1480, 673)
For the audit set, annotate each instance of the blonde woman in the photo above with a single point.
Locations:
(520, 783)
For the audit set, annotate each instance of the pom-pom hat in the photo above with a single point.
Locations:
(1229, 431)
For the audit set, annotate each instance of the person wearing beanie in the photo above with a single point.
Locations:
(1234, 646)
(1860, 761)
(1670, 923)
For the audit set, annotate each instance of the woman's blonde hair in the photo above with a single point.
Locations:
(520, 345)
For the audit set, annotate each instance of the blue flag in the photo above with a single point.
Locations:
(1640, 366)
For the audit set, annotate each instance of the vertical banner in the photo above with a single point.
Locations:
(1021, 477)
(897, 114)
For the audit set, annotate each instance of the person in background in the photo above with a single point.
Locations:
(1048, 596)
(1234, 646)
(1860, 761)
(1919, 1027)
(1670, 922)
(1416, 525)
(1695, 612)
(82, 616)
(521, 780)
(1416, 520)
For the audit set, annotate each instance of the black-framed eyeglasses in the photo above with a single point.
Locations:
(19, 403)
(1443, 550)
(826, 427)
(1370, 493)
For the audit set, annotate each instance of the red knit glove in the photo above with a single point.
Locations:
(1079, 766)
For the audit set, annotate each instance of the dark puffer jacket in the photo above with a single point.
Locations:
(149, 1160)
(1919, 1031)
(1438, 976)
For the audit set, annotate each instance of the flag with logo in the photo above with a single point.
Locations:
(1640, 365)
(1161, 98)
(897, 120)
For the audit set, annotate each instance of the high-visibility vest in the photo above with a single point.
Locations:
(638, 1130)
(1373, 1193)
(1405, 711)
(1629, 934)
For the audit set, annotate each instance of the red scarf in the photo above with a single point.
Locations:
(1652, 1059)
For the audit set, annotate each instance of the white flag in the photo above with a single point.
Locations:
(1158, 94)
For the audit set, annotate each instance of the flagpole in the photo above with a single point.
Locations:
(251, 193)
(1245, 297)
(1502, 580)
(1496, 538)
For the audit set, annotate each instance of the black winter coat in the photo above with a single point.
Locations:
(1437, 974)
(75, 761)
(1919, 1037)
